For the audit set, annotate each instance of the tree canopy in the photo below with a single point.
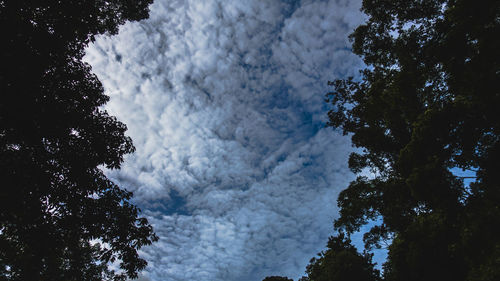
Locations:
(61, 218)
(425, 106)
(426, 103)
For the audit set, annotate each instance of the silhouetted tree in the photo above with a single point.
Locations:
(277, 278)
(341, 261)
(60, 217)
(426, 103)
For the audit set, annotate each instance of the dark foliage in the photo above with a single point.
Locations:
(341, 261)
(426, 103)
(276, 278)
(60, 217)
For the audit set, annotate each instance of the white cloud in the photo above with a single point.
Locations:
(224, 102)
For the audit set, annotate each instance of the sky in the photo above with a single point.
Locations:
(224, 101)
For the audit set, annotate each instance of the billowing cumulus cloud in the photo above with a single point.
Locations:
(224, 102)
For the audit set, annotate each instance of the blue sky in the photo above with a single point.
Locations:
(224, 101)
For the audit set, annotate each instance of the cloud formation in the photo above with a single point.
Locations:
(224, 102)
